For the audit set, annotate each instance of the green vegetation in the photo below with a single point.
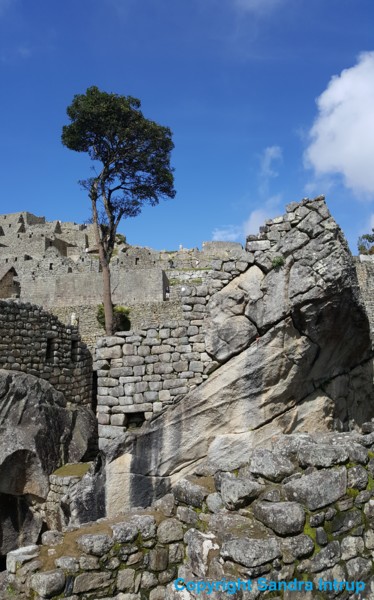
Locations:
(121, 320)
(352, 492)
(73, 470)
(365, 243)
(277, 262)
(132, 156)
(120, 239)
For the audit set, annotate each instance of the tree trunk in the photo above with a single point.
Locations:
(107, 298)
(107, 292)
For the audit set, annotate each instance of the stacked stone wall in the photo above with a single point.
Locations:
(37, 343)
(365, 275)
(144, 370)
(294, 522)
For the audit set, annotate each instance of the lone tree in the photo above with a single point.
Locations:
(365, 243)
(134, 153)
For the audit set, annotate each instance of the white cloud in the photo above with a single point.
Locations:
(258, 7)
(342, 136)
(257, 218)
(230, 233)
(270, 158)
(271, 155)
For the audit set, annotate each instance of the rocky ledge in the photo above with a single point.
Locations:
(300, 512)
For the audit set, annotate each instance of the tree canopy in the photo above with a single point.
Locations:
(134, 156)
(365, 243)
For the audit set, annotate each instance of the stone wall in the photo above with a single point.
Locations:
(143, 370)
(36, 342)
(148, 285)
(365, 275)
(295, 522)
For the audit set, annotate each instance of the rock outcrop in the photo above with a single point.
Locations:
(292, 340)
(279, 525)
(38, 433)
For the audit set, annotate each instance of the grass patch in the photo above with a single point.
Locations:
(73, 470)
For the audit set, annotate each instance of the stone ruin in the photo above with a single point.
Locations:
(270, 340)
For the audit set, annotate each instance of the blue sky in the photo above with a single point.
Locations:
(269, 101)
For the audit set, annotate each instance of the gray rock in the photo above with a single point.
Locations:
(198, 547)
(357, 477)
(214, 502)
(318, 489)
(124, 532)
(17, 558)
(52, 538)
(322, 455)
(189, 493)
(36, 431)
(327, 557)
(86, 582)
(166, 505)
(294, 375)
(169, 530)
(321, 536)
(146, 525)
(296, 547)
(49, 583)
(270, 465)
(67, 563)
(95, 544)
(251, 552)
(351, 547)
(237, 491)
(126, 580)
(343, 522)
(158, 559)
(359, 568)
(284, 518)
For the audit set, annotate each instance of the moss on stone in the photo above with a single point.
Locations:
(352, 492)
(72, 470)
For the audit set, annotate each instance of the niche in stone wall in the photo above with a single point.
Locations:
(135, 420)
(1, 231)
(49, 352)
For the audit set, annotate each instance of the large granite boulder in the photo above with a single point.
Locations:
(38, 433)
(293, 341)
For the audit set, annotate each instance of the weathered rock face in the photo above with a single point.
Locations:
(293, 341)
(273, 522)
(37, 434)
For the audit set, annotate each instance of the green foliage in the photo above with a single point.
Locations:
(365, 243)
(120, 316)
(134, 152)
(278, 261)
(120, 239)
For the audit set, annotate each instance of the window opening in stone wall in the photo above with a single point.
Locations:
(136, 261)
(2, 231)
(10, 224)
(49, 351)
(135, 420)
(70, 270)
(15, 259)
(51, 266)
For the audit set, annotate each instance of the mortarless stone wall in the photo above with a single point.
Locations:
(36, 342)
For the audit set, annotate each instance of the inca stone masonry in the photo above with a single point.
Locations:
(230, 349)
